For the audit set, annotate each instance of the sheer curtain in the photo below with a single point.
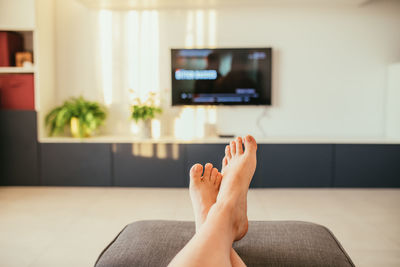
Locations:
(129, 60)
(129, 52)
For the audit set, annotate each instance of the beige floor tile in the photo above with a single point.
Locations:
(70, 226)
(373, 258)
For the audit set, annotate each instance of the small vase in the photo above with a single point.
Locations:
(74, 125)
(75, 129)
(146, 129)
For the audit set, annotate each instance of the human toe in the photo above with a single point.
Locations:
(207, 171)
(214, 173)
(250, 144)
(228, 154)
(224, 162)
(218, 180)
(196, 171)
(239, 145)
(233, 148)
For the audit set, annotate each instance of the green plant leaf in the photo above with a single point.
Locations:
(91, 115)
(144, 112)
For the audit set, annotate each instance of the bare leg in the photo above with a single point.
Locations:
(235, 258)
(227, 218)
(203, 190)
(203, 193)
(211, 245)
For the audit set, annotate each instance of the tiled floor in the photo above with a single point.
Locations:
(50, 226)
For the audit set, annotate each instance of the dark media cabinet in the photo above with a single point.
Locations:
(25, 161)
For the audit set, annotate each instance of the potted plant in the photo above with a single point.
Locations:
(145, 111)
(82, 116)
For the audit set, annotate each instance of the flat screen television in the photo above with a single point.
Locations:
(222, 76)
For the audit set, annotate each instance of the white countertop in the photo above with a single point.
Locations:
(216, 140)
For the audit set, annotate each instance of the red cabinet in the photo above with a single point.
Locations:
(17, 92)
(10, 43)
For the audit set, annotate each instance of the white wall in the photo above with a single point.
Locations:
(392, 102)
(329, 70)
(44, 54)
(330, 67)
(17, 15)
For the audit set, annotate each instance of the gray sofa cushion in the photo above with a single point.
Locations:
(269, 243)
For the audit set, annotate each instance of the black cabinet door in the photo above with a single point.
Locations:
(367, 166)
(76, 164)
(148, 165)
(18, 148)
(294, 165)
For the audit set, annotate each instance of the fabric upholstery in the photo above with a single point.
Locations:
(269, 243)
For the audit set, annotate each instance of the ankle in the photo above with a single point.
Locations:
(225, 205)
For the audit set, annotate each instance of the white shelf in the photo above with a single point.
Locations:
(17, 29)
(216, 140)
(179, 4)
(16, 70)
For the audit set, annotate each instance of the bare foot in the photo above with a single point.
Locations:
(203, 190)
(238, 168)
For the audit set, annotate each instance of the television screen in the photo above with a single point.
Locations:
(223, 76)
